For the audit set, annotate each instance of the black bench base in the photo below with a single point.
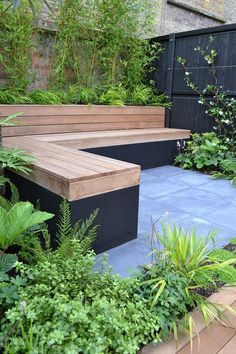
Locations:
(147, 155)
(117, 217)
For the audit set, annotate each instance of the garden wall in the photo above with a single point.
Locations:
(169, 74)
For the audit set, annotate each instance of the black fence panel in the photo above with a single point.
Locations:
(169, 75)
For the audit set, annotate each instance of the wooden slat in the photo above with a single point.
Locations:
(226, 296)
(47, 180)
(212, 340)
(84, 187)
(89, 118)
(86, 157)
(100, 185)
(111, 138)
(78, 109)
(230, 347)
(67, 128)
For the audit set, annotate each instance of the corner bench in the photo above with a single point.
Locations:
(68, 142)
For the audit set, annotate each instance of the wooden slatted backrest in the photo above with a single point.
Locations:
(50, 119)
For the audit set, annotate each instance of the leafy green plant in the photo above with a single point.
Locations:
(227, 170)
(7, 262)
(34, 250)
(204, 151)
(14, 97)
(45, 97)
(160, 282)
(113, 96)
(16, 221)
(190, 255)
(15, 159)
(70, 306)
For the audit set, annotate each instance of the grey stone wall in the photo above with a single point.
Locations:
(185, 15)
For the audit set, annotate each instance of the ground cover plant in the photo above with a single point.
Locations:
(213, 152)
(140, 95)
(61, 301)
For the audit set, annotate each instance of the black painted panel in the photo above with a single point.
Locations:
(118, 211)
(186, 112)
(147, 155)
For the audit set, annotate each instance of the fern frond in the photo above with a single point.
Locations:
(87, 241)
(15, 197)
(4, 203)
(85, 225)
(64, 222)
(37, 246)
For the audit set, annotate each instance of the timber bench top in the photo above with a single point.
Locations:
(54, 135)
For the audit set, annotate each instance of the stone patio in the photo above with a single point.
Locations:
(192, 200)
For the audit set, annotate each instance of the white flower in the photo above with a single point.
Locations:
(22, 305)
(200, 102)
(187, 73)
(165, 215)
(221, 113)
(149, 265)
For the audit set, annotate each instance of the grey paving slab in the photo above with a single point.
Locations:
(219, 187)
(126, 258)
(164, 171)
(152, 210)
(192, 178)
(195, 201)
(192, 200)
(160, 187)
(225, 216)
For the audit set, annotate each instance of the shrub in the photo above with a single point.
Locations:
(68, 306)
(165, 288)
(190, 255)
(204, 152)
(227, 170)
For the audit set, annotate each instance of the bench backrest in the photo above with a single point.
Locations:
(50, 119)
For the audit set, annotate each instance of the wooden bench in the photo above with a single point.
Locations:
(57, 135)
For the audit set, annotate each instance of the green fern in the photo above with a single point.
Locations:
(15, 198)
(64, 222)
(81, 230)
(38, 245)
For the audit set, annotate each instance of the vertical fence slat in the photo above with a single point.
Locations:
(169, 77)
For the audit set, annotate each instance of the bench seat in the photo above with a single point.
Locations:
(91, 155)
(87, 140)
(78, 174)
(74, 174)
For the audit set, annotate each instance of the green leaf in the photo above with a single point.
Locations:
(7, 262)
(15, 222)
